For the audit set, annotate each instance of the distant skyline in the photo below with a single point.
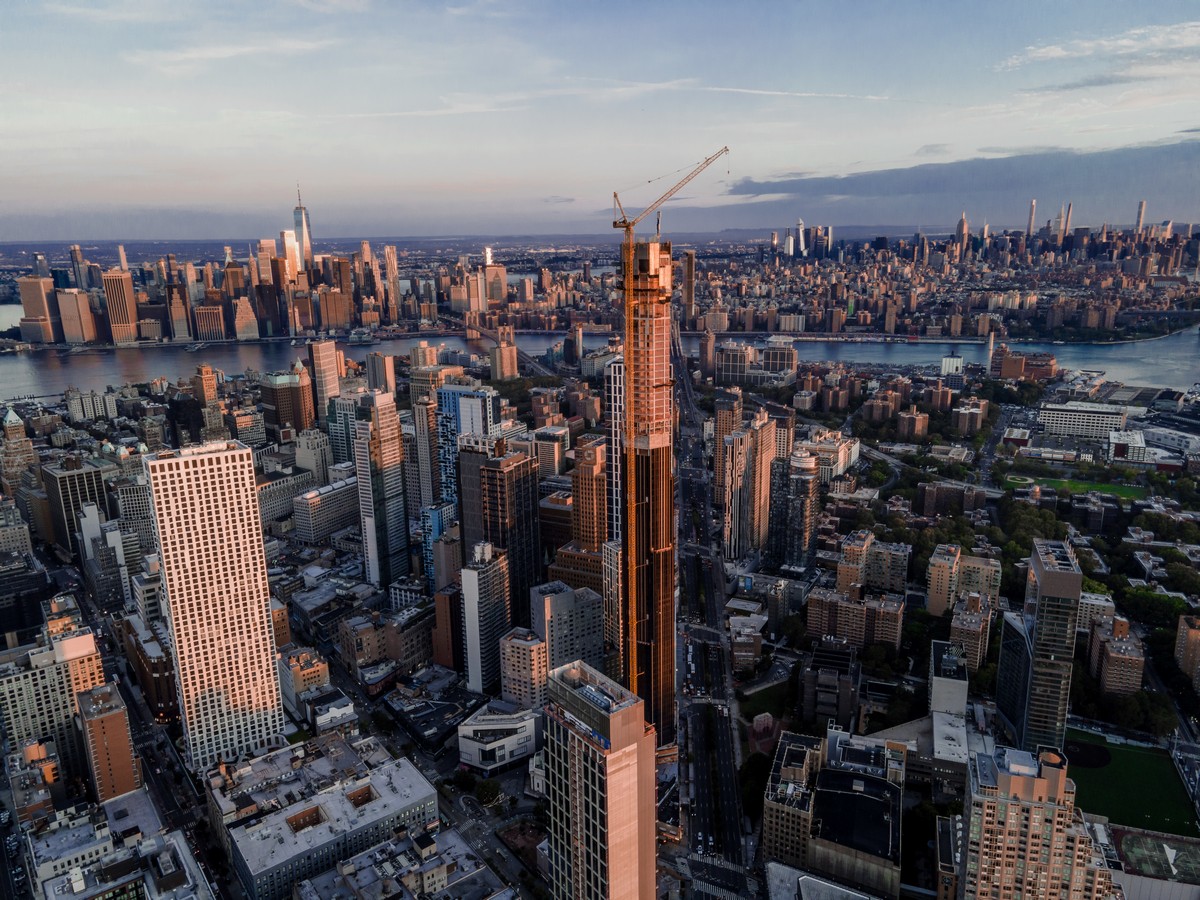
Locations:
(161, 119)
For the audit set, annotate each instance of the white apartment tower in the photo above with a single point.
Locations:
(215, 586)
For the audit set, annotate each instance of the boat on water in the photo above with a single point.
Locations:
(360, 337)
(194, 347)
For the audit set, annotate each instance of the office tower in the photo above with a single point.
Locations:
(121, 304)
(41, 322)
(962, 232)
(40, 684)
(504, 355)
(315, 453)
(71, 482)
(381, 373)
(486, 615)
(735, 461)
(1027, 838)
(78, 321)
(1067, 221)
(204, 385)
(16, 452)
(1141, 218)
(210, 323)
(508, 487)
(473, 451)
(762, 455)
(728, 420)
(104, 721)
(689, 286)
(214, 569)
(303, 232)
(649, 526)
(341, 414)
(571, 622)
(524, 669)
(795, 499)
(287, 401)
(600, 788)
(464, 407)
(1033, 681)
(79, 267)
(291, 254)
(14, 533)
(424, 414)
(379, 466)
(323, 357)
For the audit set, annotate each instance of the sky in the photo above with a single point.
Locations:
(179, 119)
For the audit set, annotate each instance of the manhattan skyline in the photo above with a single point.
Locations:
(180, 121)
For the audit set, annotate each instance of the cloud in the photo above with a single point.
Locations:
(932, 149)
(555, 198)
(1026, 150)
(120, 12)
(335, 6)
(1103, 79)
(186, 59)
(802, 95)
(995, 189)
(1140, 42)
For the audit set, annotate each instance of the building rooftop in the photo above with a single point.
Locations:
(859, 811)
(1055, 556)
(786, 883)
(308, 822)
(380, 871)
(274, 780)
(597, 689)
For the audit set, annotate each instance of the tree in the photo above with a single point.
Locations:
(487, 791)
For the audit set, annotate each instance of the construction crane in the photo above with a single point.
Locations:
(623, 221)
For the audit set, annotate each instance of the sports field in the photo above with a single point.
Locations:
(1159, 856)
(1135, 786)
(1125, 491)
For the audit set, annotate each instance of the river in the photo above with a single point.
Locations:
(1172, 361)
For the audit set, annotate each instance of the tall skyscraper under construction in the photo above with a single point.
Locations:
(648, 642)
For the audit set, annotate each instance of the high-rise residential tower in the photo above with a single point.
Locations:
(485, 615)
(728, 419)
(508, 487)
(795, 500)
(379, 466)
(600, 788)
(1033, 681)
(214, 572)
(648, 665)
(1027, 838)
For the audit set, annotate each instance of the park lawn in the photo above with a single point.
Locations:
(1125, 491)
(1139, 787)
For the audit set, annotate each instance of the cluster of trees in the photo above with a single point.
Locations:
(1143, 711)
